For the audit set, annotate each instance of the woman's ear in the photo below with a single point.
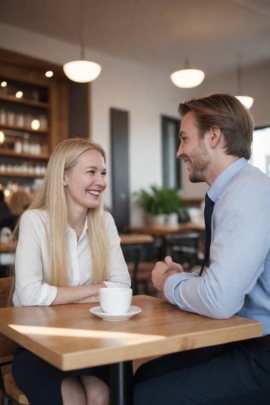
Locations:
(64, 181)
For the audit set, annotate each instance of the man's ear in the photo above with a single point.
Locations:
(215, 136)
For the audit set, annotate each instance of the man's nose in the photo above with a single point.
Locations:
(179, 151)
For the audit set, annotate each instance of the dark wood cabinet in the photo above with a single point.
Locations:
(33, 116)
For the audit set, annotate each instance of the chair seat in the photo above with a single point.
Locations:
(13, 391)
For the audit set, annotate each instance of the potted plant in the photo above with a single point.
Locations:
(160, 203)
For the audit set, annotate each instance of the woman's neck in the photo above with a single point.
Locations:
(76, 221)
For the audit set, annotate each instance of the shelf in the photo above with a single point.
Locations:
(7, 152)
(23, 101)
(19, 174)
(24, 129)
(43, 99)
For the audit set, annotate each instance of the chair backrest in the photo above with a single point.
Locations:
(6, 344)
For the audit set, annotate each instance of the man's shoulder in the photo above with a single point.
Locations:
(253, 176)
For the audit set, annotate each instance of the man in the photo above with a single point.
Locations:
(216, 135)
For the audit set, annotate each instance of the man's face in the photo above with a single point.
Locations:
(192, 150)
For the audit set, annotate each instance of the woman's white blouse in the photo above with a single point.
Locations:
(32, 260)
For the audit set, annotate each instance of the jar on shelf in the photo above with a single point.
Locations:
(44, 149)
(43, 122)
(18, 146)
(3, 116)
(11, 118)
(28, 120)
(25, 146)
(19, 120)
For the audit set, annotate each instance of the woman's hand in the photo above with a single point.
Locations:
(77, 294)
(94, 298)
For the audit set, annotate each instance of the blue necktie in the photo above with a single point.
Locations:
(208, 210)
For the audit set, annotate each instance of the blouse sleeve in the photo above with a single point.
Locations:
(118, 271)
(30, 286)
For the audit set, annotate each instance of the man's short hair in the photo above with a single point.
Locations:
(229, 114)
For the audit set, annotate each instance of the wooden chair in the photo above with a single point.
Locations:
(184, 249)
(11, 394)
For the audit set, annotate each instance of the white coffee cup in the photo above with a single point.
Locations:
(115, 301)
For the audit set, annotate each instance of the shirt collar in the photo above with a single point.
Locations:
(85, 228)
(221, 182)
(84, 231)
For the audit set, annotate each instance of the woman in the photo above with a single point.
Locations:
(68, 248)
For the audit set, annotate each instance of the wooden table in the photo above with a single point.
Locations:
(135, 242)
(166, 232)
(70, 337)
(7, 247)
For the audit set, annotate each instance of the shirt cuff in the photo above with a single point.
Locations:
(172, 285)
(48, 295)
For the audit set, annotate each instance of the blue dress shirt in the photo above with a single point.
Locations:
(238, 278)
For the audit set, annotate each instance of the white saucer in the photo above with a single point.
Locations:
(111, 317)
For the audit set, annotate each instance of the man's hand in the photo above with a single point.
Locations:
(162, 271)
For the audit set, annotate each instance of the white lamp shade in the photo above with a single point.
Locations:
(246, 101)
(82, 71)
(187, 78)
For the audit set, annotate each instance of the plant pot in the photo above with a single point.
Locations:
(155, 219)
(171, 219)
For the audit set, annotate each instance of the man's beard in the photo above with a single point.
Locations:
(200, 164)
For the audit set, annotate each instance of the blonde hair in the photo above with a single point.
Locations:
(19, 201)
(51, 197)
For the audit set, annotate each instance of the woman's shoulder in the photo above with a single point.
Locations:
(108, 218)
(36, 215)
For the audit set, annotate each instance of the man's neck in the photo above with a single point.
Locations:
(218, 166)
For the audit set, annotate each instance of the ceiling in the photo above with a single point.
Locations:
(214, 34)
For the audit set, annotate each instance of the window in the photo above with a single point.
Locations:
(170, 143)
(261, 150)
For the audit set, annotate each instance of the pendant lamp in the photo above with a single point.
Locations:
(247, 101)
(82, 70)
(187, 78)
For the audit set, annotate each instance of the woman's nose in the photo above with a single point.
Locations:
(101, 181)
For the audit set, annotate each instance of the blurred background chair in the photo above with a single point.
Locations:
(184, 249)
(18, 202)
(11, 394)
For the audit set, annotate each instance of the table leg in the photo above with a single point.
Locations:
(137, 255)
(162, 251)
(121, 383)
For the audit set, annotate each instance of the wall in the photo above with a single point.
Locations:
(147, 95)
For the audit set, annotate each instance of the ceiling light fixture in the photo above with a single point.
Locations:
(245, 100)
(82, 71)
(187, 78)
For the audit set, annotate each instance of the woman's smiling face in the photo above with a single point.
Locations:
(85, 182)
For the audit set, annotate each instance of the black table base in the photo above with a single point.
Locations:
(121, 383)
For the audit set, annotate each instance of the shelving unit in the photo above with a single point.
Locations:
(33, 117)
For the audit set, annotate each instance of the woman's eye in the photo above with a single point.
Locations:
(91, 171)
(103, 174)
